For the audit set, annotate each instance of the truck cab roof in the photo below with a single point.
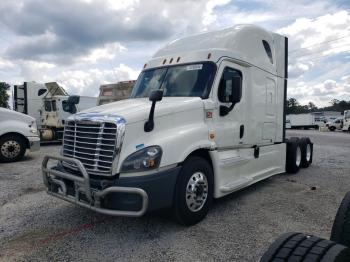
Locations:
(250, 45)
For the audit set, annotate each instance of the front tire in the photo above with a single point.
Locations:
(194, 191)
(12, 148)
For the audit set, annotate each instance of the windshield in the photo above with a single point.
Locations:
(182, 80)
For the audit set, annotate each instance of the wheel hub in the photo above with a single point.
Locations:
(196, 191)
(308, 152)
(10, 149)
(298, 156)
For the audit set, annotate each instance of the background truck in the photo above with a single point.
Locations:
(346, 120)
(114, 92)
(18, 132)
(50, 105)
(309, 120)
(203, 120)
(336, 124)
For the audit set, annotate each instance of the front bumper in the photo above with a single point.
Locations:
(131, 196)
(34, 143)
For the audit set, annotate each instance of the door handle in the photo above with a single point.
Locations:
(241, 131)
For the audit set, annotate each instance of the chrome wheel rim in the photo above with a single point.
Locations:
(196, 191)
(298, 156)
(10, 149)
(308, 152)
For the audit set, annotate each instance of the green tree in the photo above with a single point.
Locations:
(312, 107)
(292, 102)
(4, 97)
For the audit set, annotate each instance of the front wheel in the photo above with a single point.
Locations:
(12, 148)
(194, 191)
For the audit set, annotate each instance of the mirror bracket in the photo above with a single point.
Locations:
(155, 96)
(224, 110)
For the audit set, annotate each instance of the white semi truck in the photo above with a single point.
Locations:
(346, 120)
(50, 105)
(18, 132)
(206, 118)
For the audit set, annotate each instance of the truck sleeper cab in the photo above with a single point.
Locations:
(202, 121)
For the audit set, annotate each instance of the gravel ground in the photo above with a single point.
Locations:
(38, 227)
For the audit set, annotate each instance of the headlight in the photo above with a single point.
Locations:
(145, 159)
(33, 128)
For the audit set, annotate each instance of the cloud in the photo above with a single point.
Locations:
(321, 93)
(35, 70)
(298, 69)
(318, 37)
(6, 64)
(88, 82)
(209, 16)
(346, 79)
(62, 31)
(107, 52)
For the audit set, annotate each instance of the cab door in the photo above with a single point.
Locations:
(229, 122)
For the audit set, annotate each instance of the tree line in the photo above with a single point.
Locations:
(294, 107)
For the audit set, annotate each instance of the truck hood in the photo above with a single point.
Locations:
(137, 109)
(14, 115)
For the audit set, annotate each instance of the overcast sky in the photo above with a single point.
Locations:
(82, 44)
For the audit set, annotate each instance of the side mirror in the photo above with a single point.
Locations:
(155, 96)
(73, 100)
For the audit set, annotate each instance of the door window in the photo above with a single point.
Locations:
(54, 107)
(48, 106)
(228, 85)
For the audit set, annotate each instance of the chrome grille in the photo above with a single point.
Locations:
(93, 143)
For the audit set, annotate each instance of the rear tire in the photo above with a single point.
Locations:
(341, 225)
(332, 128)
(305, 248)
(306, 152)
(12, 148)
(194, 191)
(293, 160)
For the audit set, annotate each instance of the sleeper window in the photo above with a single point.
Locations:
(268, 50)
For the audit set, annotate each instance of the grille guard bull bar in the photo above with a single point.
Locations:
(82, 185)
